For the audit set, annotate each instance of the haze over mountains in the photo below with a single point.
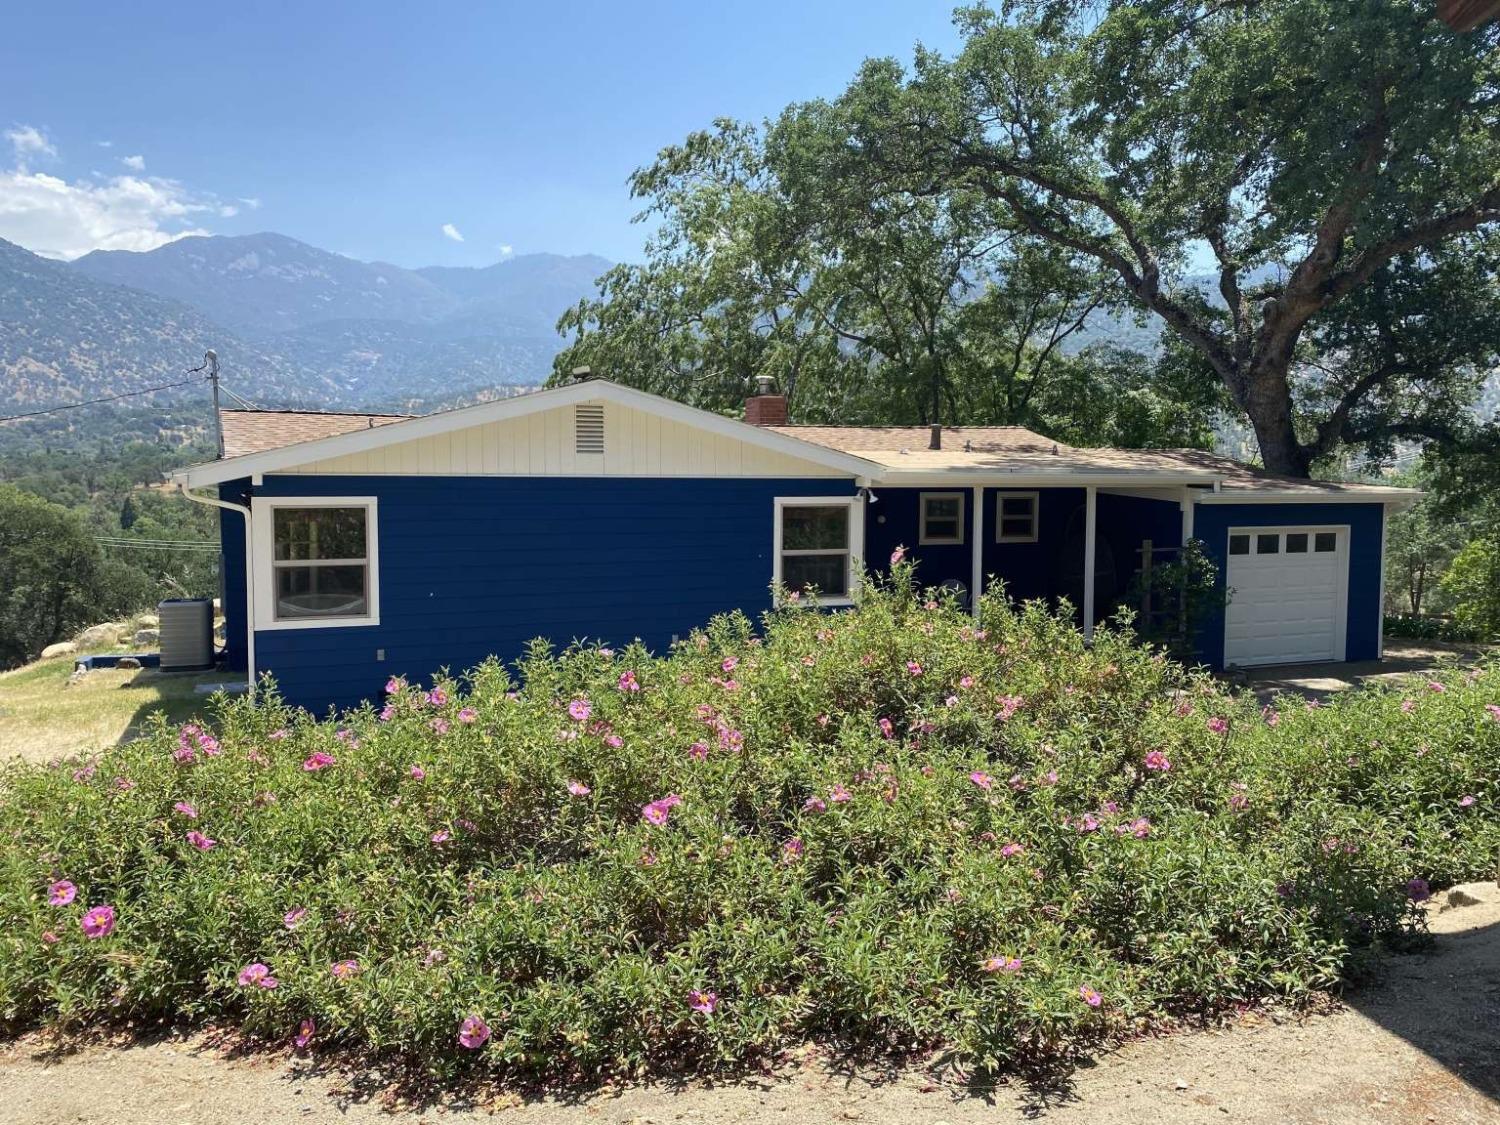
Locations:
(292, 324)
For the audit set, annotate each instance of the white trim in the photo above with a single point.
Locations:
(244, 512)
(856, 538)
(976, 563)
(1398, 496)
(963, 476)
(1344, 550)
(1090, 537)
(1186, 504)
(925, 540)
(1036, 515)
(261, 513)
(594, 390)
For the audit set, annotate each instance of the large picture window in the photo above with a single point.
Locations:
(816, 547)
(317, 564)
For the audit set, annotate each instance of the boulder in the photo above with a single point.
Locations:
(145, 637)
(147, 621)
(128, 663)
(96, 635)
(62, 648)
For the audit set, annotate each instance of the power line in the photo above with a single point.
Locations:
(96, 401)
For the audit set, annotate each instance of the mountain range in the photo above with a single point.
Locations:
(291, 324)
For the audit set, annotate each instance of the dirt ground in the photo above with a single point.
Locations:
(1419, 1044)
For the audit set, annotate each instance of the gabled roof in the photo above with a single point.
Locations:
(255, 431)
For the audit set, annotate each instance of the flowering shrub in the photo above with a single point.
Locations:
(888, 826)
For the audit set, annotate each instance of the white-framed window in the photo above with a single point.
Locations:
(942, 518)
(817, 546)
(316, 561)
(1016, 517)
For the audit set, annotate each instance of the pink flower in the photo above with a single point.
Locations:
(417, 773)
(703, 1002)
(579, 710)
(981, 779)
(1494, 711)
(318, 760)
(1000, 965)
(209, 745)
(839, 795)
(792, 850)
(440, 836)
(729, 664)
(1239, 802)
(1011, 850)
(1156, 760)
(393, 685)
(1271, 716)
(578, 789)
(473, 1033)
(1433, 685)
(253, 974)
(887, 728)
(1218, 725)
(200, 841)
(98, 922)
(1140, 828)
(184, 755)
(1466, 800)
(628, 682)
(387, 713)
(278, 735)
(913, 667)
(613, 741)
(186, 810)
(61, 893)
(439, 726)
(467, 715)
(1418, 890)
(966, 681)
(815, 805)
(50, 938)
(293, 918)
(698, 751)
(897, 555)
(437, 697)
(305, 1032)
(656, 812)
(1090, 997)
(1009, 705)
(344, 970)
(1408, 706)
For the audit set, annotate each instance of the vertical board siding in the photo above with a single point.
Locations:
(636, 443)
(232, 572)
(479, 566)
(1362, 638)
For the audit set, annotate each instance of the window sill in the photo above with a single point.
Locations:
(317, 623)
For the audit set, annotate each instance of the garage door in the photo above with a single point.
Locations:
(1288, 604)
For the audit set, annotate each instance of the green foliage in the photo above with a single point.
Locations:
(1472, 586)
(1177, 598)
(1420, 543)
(53, 578)
(1429, 628)
(832, 828)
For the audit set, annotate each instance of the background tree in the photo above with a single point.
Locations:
(1420, 543)
(1338, 162)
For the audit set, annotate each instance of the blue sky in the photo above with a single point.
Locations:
(366, 128)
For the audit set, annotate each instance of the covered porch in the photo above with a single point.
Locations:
(1082, 542)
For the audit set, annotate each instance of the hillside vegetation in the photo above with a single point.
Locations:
(888, 828)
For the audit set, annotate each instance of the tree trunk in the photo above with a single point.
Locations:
(1268, 402)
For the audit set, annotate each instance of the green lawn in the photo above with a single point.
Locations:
(43, 716)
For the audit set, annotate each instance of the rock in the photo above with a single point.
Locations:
(97, 635)
(148, 621)
(145, 637)
(1470, 894)
(128, 663)
(62, 648)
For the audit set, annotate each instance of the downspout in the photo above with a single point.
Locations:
(244, 512)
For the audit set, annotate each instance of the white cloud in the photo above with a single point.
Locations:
(451, 231)
(134, 163)
(251, 202)
(29, 141)
(506, 249)
(228, 210)
(105, 144)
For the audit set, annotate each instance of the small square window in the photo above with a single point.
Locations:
(1296, 543)
(1267, 544)
(942, 518)
(1325, 541)
(1239, 544)
(1016, 517)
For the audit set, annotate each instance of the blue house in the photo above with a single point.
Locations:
(359, 546)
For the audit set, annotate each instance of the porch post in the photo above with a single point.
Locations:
(1090, 511)
(1187, 514)
(976, 586)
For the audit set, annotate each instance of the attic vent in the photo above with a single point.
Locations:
(588, 427)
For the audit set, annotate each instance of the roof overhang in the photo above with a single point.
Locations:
(1396, 497)
(431, 425)
(1054, 478)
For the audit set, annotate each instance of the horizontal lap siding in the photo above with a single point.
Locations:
(474, 567)
(1211, 524)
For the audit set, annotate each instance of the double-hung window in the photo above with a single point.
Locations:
(316, 559)
(1016, 517)
(942, 519)
(817, 546)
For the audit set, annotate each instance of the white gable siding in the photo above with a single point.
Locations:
(636, 444)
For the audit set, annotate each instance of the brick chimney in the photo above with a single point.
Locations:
(765, 407)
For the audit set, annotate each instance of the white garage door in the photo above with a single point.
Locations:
(1289, 600)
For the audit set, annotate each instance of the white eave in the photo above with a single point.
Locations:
(431, 425)
(1333, 494)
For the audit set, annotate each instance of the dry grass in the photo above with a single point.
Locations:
(43, 716)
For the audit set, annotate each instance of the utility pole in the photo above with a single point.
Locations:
(211, 360)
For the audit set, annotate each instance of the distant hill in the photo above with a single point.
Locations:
(292, 324)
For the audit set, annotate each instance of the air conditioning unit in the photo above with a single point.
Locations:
(187, 634)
